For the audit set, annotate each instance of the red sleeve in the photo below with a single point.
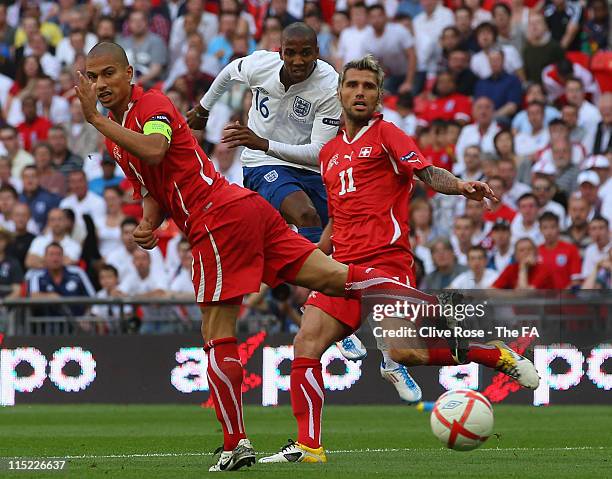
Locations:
(575, 263)
(507, 278)
(401, 148)
(155, 106)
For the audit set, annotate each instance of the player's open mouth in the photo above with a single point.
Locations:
(104, 96)
(360, 105)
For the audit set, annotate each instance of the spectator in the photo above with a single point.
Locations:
(121, 257)
(588, 114)
(82, 201)
(527, 272)
(578, 231)
(7, 39)
(467, 37)
(506, 169)
(569, 114)
(481, 132)
(34, 128)
(278, 8)
(602, 142)
(479, 14)
(601, 274)
(393, 45)
(57, 233)
(108, 226)
(537, 139)
(475, 211)
(146, 51)
(351, 44)
(534, 93)
(105, 30)
(11, 273)
(498, 210)
(596, 30)
(31, 25)
(407, 120)
(227, 162)
(272, 31)
(108, 179)
(565, 18)
(109, 281)
(566, 172)
(501, 250)
(64, 160)
(428, 26)
(501, 87)
(79, 39)
(194, 83)
(220, 46)
(445, 103)
(28, 72)
(57, 279)
(461, 239)
(421, 221)
(450, 40)
(599, 232)
(207, 25)
(559, 257)
(473, 164)
(49, 178)
(554, 78)
(18, 157)
(39, 48)
(325, 37)
(82, 137)
(446, 266)
(478, 276)
(544, 190)
(507, 32)
(459, 66)
(39, 200)
(158, 23)
(50, 105)
(588, 184)
(22, 236)
(6, 179)
(143, 282)
(525, 224)
(486, 35)
(540, 49)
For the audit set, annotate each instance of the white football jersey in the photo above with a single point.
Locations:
(296, 122)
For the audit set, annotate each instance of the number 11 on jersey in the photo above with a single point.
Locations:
(348, 173)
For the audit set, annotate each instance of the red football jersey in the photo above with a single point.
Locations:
(564, 262)
(453, 107)
(182, 184)
(538, 276)
(368, 181)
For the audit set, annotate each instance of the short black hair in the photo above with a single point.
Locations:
(299, 30)
(479, 248)
(548, 216)
(130, 220)
(376, 6)
(112, 49)
(6, 188)
(110, 268)
(600, 218)
(503, 6)
(525, 197)
(54, 244)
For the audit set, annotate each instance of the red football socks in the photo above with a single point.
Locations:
(485, 354)
(307, 400)
(225, 382)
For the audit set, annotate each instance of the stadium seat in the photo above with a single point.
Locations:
(601, 66)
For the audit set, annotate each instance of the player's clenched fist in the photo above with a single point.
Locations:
(197, 118)
(143, 235)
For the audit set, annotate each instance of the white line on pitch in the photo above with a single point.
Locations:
(337, 451)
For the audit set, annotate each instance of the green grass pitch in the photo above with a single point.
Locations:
(363, 441)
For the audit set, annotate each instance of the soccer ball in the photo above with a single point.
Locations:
(462, 419)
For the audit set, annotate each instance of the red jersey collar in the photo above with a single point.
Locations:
(377, 116)
(136, 95)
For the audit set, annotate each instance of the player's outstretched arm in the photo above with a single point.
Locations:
(234, 71)
(149, 148)
(444, 181)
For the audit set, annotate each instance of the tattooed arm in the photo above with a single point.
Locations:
(445, 182)
(441, 180)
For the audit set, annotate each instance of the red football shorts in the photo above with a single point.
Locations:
(244, 244)
(348, 311)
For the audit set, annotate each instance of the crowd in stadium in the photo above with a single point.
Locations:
(515, 93)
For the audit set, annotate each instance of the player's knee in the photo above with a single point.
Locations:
(307, 343)
(408, 357)
(306, 215)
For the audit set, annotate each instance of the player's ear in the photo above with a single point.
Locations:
(130, 72)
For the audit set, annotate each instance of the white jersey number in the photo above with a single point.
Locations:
(348, 173)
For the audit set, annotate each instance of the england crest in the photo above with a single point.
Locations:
(301, 107)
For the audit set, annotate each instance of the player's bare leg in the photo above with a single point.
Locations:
(297, 209)
(495, 355)
(318, 331)
(225, 379)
